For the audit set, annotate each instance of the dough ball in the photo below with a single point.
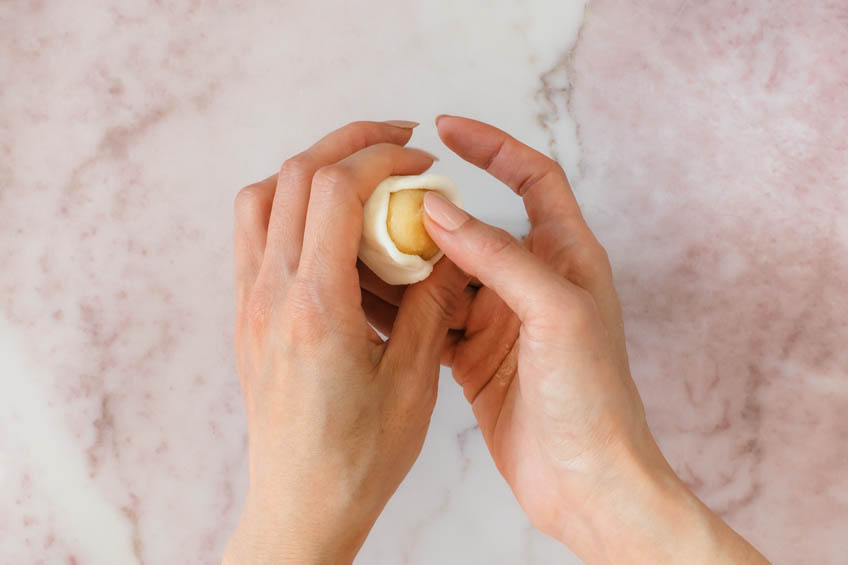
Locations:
(405, 223)
(394, 243)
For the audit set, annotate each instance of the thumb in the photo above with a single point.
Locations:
(428, 309)
(521, 279)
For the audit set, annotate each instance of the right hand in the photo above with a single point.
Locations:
(540, 354)
(542, 359)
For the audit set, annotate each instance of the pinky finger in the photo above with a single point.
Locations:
(252, 209)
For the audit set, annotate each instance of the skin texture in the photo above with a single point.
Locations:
(331, 435)
(336, 416)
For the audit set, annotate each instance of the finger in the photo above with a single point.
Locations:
(390, 293)
(572, 250)
(334, 219)
(579, 257)
(538, 179)
(379, 313)
(427, 311)
(521, 279)
(288, 215)
(452, 340)
(251, 210)
(570, 247)
(456, 323)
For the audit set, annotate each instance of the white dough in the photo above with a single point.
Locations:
(377, 250)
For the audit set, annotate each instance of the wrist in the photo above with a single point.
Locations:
(646, 514)
(613, 501)
(271, 534)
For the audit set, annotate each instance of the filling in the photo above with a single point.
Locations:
(405, 222)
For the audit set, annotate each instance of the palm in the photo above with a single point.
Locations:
(501, 369)
(486, 364)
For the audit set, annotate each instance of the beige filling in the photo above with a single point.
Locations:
(405, 222)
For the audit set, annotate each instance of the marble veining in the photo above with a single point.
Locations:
(705, 140)
(713, 166)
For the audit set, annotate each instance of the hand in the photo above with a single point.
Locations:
(336, 416)
(549, 313)
(542, 360)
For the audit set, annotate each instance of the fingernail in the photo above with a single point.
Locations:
(402, 123)
(440, 116)
(443, 212)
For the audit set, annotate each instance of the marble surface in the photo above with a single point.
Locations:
(707, 142)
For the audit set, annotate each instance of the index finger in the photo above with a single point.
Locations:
(334, 217)
(537, 178)
(288, 214)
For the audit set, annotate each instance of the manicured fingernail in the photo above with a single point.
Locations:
(402, 123)
(443, 212)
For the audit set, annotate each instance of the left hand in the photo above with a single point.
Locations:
(336, 416)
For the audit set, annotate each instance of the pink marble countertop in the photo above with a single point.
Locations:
(706, 141)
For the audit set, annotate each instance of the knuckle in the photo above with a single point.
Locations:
(602, 261)
(556, 169)
(497, 243)
(548, 169)
(305, 320)
(257, 309)
(242, 201)
(358, 133)
(299, 319)
(296, 167)
(557, 173)
(444, 298)
(591, 264)
(249, 203)
(333, 178)
(573, 252)
(247, 199)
